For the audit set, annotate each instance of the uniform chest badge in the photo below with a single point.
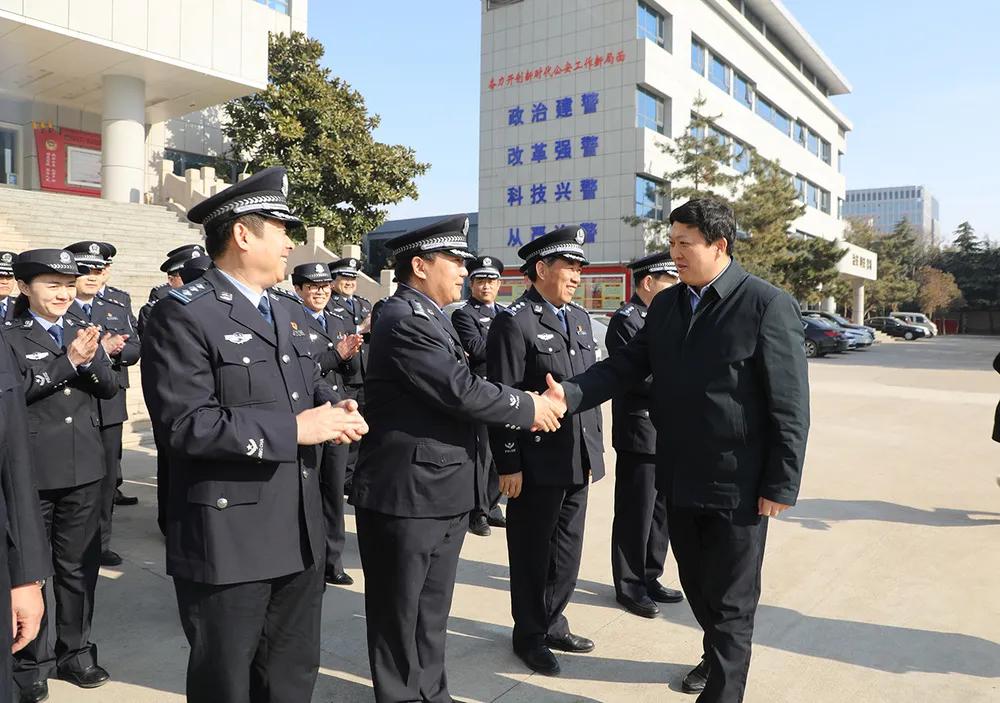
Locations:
(35, 356)
(485, 319)
(239, 337)
(545, 337)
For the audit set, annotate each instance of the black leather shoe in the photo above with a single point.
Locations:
(122, 499)
(110, 558)
(644, 608)
(662, 594)
(35, 693)
(695, 680)
(341, 578)
(91, 677)
(539, 659)
(496, 518)
(479, 525)
(570, 643)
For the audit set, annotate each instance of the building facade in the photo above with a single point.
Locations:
(577, 95)
(885, 207)
(95, 93)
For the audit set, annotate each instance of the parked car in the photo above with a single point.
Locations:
(859, 336)
(822, 338)
(917, 318)
(897, 328)
(599, 323)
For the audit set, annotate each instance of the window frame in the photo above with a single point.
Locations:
(661, 24)
(660, 120)
(727, 73)
(658, 208)
(696, 44)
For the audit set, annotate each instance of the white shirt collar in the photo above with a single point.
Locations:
(45, 324)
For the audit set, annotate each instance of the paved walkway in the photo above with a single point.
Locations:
(883, 584)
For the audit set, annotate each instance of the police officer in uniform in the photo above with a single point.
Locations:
(344, 302)
(415, 480)
(176, 258)
(8, 286)
(65, 371)
(336, 346)
(121, 343)
(546, 477)
(26, 560)
(639, 531)
(472, 322)
(233, 387)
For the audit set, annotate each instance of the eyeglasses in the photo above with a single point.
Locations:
(317, 287)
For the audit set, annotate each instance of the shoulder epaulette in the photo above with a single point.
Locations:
(627, 310)
(363, 299)
(119, 290)
(577, 306)
(154, 292)
(113, 302)
(192, 291)
(333, 314)
(285, 293)
(517, 307)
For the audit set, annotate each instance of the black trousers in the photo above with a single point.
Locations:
(255, 642)
(331, 480)
(719, 557)
(409, 566)
(355, 393)
(639, 537)
(111, 438)
(544, 544)
(487, 478)
(6, 637)
(72, 517)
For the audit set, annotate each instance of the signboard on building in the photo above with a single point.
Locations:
(69, 160)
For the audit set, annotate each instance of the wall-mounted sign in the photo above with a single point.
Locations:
(539, 73)
(69, 161)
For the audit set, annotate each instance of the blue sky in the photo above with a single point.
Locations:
(924, 107)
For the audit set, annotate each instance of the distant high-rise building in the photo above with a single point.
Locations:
(885, 207)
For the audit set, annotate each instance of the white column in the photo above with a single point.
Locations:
(859, 302)
(829, 304)
(123, 139)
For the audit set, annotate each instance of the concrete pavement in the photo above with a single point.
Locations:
(882, 584)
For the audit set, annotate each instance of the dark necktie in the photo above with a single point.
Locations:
(349, 304)
(322, 321)
(561, 314)
(264, 306)
(3, 309)
(87, 307)
(55, 331)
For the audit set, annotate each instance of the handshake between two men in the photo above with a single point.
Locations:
(550, 407)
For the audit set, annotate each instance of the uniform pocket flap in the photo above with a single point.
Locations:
(224, 494)
(439, 454)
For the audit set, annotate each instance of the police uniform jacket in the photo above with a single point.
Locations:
(9, 313)
(155, 294)
(472, 322)
(63, 417)
(355, 376)
(632, 430)
(27, 554)
(730, 392)
(111, 317)
(527, 341)
(424, 406)
(333, 369)
(224, 387)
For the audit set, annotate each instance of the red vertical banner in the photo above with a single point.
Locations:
(69, 161)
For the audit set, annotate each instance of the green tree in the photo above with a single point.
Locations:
(975, 266)
(898, 257)
(699, 153)
(937, 290)
(966, 241)
(318, 127)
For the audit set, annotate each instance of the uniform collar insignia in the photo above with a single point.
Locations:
(228, 297)
(536, 308)
(238, 337)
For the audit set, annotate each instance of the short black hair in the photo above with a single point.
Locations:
(532, 272)
(217, 238)
(712, 217)
(402, 269)
(637, 278)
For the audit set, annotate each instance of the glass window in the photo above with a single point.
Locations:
(812, 195)
(648, 199)
(649, 111)
(697, 132)
(743, 90)
(764, 108)
(824, 201)
(813, 143)
(840, 208)
(650, 24)
(782, 122)
(800, 133)
(719, 73)
(840, 161)
(741, 157)
(800, 187)
(718, 137)
(279, 5)
(9, 158)
(698, 57)
(753, 18)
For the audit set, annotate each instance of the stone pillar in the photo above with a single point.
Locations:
(859, 302)
(829, 304)
(123, 139)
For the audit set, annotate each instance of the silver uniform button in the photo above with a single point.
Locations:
(305, 474)
(68, 421)
(222, 504)
(334, 388)
(66, 391)
(284, 358)
(246, 359)
(295, 395)
(572, 352)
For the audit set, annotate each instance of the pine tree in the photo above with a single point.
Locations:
(966, 241)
